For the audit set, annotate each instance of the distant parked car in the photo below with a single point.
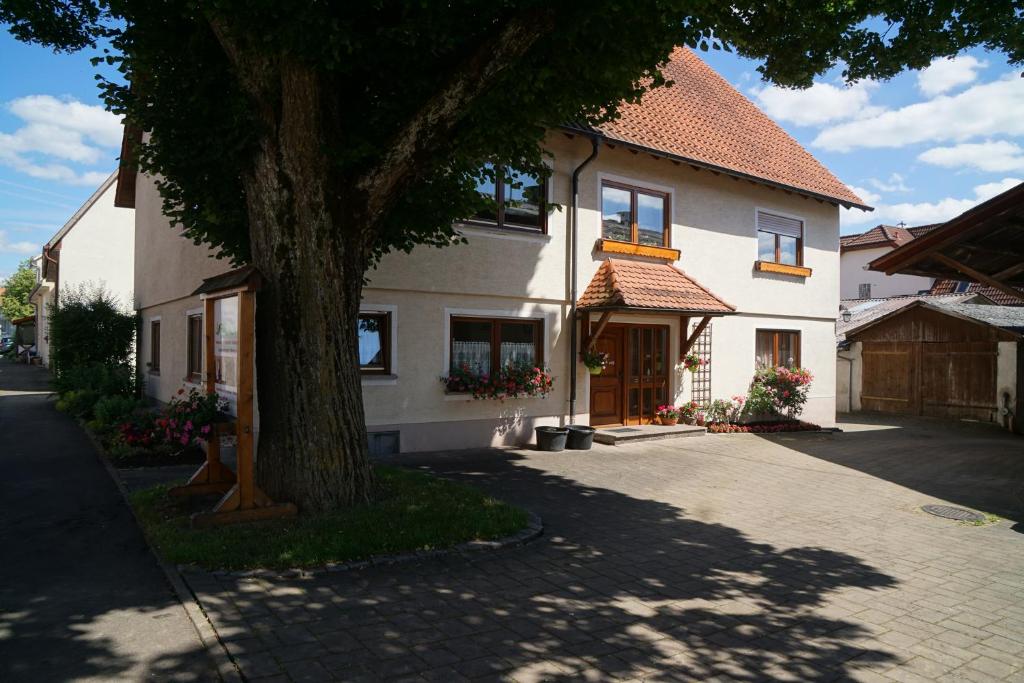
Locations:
(6, 344)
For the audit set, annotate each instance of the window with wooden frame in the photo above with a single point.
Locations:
(374, 331)
(154, 346)
(485, 345)
(633, 214)
(519, 200)
(780, 239)
(777, 348)
(195, 348)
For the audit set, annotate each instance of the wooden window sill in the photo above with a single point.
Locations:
(781, 269)
(616, 247)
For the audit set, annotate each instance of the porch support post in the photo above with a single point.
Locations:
(688, 344)
(601, 324)
(684, 329)
(980, 277)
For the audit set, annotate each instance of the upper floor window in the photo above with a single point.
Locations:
(780, 239)
(864, 291)
(632, 214)
(518, 200)
(374, 330)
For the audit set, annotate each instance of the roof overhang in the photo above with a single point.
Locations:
(984, 245)
(657, 311)
(705, 166)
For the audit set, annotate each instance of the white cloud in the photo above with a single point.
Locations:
(819, 104)
(56, 133)
(923, 213)
(894, 183)
(994, 156)
(869, 197)
(946, 73)
(980, 111)
(21, 248)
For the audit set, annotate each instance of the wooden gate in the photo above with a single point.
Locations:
(938, 379)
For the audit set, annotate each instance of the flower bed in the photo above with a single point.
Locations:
(512, 381)
(762, 427)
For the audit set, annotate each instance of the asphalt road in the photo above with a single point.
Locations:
(81, 597)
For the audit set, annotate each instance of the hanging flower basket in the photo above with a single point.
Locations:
(595, 361)
(693, 362)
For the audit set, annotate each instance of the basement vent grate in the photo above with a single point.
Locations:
(950, 512)
(622, 430)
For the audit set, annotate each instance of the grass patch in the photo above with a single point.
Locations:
(411, 511)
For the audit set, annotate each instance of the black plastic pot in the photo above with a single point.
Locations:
(581, 438)
(551, 438)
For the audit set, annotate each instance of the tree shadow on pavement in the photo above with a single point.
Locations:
(974, 465)
(618, 587)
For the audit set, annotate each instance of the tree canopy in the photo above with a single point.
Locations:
(525, 66)
(14, 301)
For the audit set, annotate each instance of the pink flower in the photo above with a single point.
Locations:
(205, 429)
(184, 440)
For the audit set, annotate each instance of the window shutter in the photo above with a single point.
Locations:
(779, 225)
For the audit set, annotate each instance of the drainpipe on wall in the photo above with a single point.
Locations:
(573, 236)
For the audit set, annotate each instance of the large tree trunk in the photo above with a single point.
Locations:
(306, 242)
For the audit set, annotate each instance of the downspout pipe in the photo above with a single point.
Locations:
(573, 258)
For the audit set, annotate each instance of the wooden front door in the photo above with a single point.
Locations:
(636, 379)
(647, 372)
(606, 388)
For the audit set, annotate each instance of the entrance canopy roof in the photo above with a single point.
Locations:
(649, 287)
(984, 245)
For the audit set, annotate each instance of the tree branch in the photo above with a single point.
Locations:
(431, 124)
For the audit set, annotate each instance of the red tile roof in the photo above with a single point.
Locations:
(636, 284)
(997, 296)
(703, 119)
(883, 235)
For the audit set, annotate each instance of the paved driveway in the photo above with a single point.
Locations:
(735, 557)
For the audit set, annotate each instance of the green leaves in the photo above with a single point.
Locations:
(14, 301)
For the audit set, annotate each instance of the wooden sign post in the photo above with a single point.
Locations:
(242, 500)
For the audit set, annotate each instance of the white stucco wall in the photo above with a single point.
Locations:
(527, 275)
(853, 274)
(168, 268)
(849, 378)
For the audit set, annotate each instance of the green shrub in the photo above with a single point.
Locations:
(91, 341)
(79, 403)
(106, 380)
(111, 411)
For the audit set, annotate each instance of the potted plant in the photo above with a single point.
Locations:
(667, 415)
(595, 361)
(693, 362)
(688, 412)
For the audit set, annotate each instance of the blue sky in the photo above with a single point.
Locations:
(922, 147)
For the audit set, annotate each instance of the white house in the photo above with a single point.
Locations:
(857, 251)
(701, 224)
(95, 248)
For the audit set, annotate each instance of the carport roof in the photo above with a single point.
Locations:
(1008, 318)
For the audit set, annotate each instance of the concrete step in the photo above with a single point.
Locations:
(616, 435)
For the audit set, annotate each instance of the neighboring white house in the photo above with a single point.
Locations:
(697, 209)
(95, 248)
(857, 251)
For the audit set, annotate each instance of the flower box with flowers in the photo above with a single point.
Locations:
(186, 422)
(512, 381)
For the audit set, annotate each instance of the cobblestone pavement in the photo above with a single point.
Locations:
(797, 557)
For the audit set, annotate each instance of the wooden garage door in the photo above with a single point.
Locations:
(939, 379)
(958, 380)
(888, 377)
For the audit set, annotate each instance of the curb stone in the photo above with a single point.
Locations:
(226, 668)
